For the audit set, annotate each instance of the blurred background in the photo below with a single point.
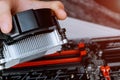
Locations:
(104, 12)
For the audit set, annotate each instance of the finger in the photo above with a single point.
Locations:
(56, 6)
(58, 9)
(5, 17)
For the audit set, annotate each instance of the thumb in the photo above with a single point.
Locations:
(5, 17)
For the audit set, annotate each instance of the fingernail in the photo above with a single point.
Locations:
(5, 28)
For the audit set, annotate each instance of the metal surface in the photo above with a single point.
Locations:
(30, 48)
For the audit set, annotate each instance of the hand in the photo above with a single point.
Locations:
(10, 7)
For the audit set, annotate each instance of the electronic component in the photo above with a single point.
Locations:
(85, 59)
(34, 33)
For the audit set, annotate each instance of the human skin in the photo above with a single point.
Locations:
(10, 7)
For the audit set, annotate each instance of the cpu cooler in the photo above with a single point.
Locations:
(34, 33)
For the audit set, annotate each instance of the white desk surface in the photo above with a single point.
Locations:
(77, 29)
